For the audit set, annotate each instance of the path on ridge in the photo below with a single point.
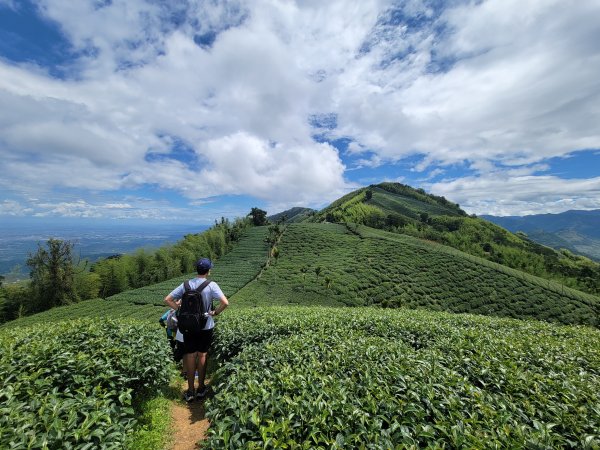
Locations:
(189, 422)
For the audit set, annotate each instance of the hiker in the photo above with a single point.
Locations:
(197, 331)
(169, 322)
(174, 337)
(178, 353)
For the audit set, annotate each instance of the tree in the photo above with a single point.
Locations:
(14, 301)
(52, 275)
(274, 234)
(304, 269)
(259, 217)
(369, 194)
(318, 270)
(275, 253)
(113, 278)
(487, 247)
(87, 285)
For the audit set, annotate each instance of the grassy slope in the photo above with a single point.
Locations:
(232, 272)
(400, 208)
(406, 201)
(367, 266)
(510, 379)
(410, 207)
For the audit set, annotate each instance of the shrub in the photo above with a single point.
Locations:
(375, 378)
(70, 384)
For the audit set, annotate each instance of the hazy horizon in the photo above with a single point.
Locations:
(92, 241)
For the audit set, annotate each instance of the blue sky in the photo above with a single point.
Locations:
(193, 110)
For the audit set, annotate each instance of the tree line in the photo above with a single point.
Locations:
(57, 279)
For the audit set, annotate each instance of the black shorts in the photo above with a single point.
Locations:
(197, 342)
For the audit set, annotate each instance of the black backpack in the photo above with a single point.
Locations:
(192, 315)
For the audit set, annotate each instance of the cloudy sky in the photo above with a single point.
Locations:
(193, 110)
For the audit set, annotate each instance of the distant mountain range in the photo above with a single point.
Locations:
(577, 231)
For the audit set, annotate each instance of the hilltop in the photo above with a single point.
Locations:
(404, 210)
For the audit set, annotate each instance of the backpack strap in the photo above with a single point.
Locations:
(203, 285)
(187, 287)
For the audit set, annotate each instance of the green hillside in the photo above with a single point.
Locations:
(233, 271)
(304, 378)
(293, 215)
(378, 205)
(314, 373)
(332, 264)
(353, 265)
(401, 209)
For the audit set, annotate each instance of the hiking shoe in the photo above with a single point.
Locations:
(188, 396)
(202, 392)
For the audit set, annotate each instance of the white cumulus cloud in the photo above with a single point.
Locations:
(212, 98)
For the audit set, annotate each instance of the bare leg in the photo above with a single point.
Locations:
(201, 367)
(189, 364)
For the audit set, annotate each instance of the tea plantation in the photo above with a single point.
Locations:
(71, 384)
(407, 211)
(331, 264)
(314, 377)
(233, 271)
(69, 374)
(299, 368)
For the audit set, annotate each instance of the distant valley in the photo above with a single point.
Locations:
(92, 241)
(577, 231)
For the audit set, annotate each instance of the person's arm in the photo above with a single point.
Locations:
(174, 298)
(223, 303)
(171, 301)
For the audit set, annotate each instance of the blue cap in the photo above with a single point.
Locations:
(203, 265)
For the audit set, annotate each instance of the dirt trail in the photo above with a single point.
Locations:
(189, 422)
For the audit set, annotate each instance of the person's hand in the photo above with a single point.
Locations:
(212, 313)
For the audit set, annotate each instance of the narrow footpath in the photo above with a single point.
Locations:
(189, 419)
(189, 422)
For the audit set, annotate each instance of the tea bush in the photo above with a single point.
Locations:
(234, 270)
(97, 308)
(402, 209)
(365, 266)
(70, 384)
(299, 377)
